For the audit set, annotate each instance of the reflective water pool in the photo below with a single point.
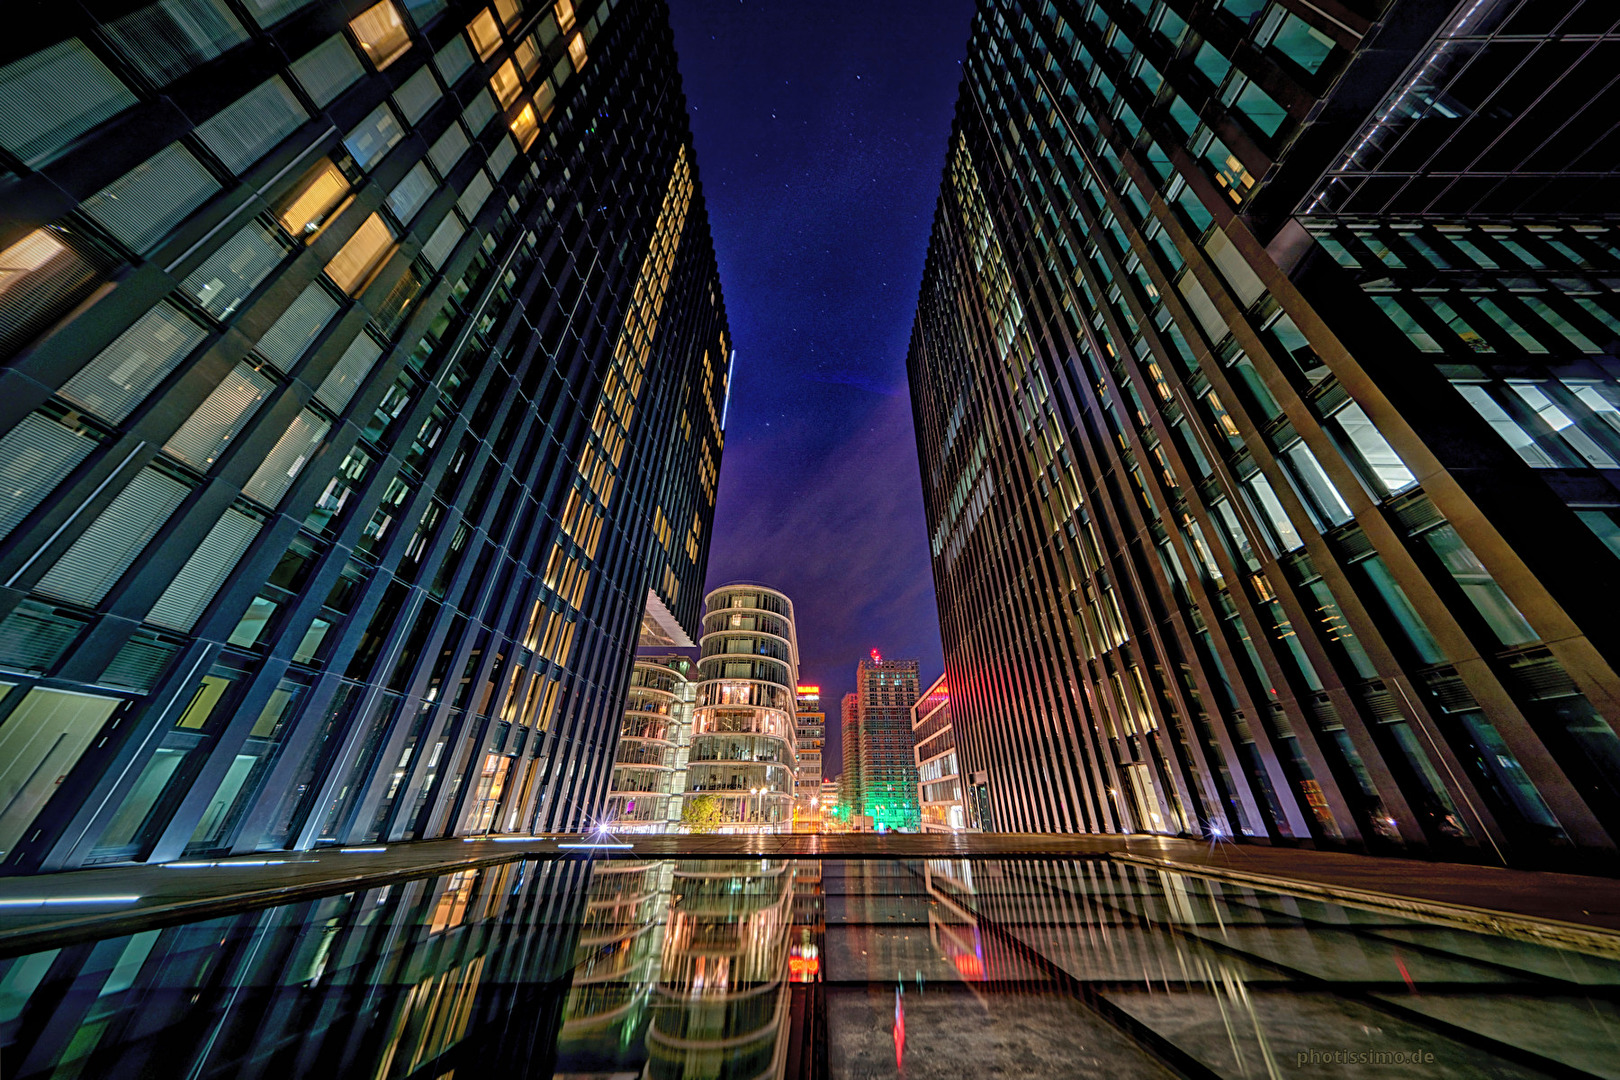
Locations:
(777, 968)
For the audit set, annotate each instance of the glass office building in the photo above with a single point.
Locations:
(744, 732)
(812, 731)
(363, 375)
(885, 691)
(1266, 392)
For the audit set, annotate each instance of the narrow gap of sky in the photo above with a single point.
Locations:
(821, 131)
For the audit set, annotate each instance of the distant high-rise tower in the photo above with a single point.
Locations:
(885, 692)
(743, 731)
(363, 374)
(1267, 391)
(850, 800)
(812, 724)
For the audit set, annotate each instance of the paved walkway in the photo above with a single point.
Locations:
(50, 910)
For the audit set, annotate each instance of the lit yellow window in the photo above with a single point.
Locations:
(526, 127)
(509, 11)
(505, 83)
(381, 32)
(28, 255)
(545, 99)
(486, 36)
(576, 51)
(354, 266)
(314, 200)
(565, 14)
(528, 56)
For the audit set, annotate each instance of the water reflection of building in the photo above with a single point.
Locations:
(743, 735)
(656, 730)
(616, 966)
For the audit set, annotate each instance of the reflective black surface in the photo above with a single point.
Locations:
(748, 968)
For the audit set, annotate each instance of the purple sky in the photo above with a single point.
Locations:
(821, 131)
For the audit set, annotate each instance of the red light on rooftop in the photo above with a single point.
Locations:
(877, 657)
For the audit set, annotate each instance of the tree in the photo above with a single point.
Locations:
(701, 814)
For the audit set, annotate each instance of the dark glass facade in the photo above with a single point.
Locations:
(1266, 396)
(364, 367)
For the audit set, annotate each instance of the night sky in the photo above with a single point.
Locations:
(821, 132)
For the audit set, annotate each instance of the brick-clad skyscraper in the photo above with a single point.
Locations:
(363, 372)
(1268, 406)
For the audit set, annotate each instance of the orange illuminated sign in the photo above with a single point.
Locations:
(809, 689)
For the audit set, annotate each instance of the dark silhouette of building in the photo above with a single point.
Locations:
(1267, 404)
(364, 366)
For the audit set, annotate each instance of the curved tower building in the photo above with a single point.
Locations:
(657, 719)
(743, 738)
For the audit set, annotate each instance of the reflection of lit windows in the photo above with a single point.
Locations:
(381, 34)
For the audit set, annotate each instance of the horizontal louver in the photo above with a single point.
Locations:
(443, 241)
(54, 96)
(122, 374)
(474, 194)
(220, 418)
(351, 370)
(35, 635)
(41, 278)
(479, 112)
(34, 457)
(287, 459)
(417, 94)
(453, 60)
(99, 557)
(269, 12)
(410, 193)
(167, 39)
(140, 207)
(203, 574)
(448, 150)
(231, 273)
(246, 130)
(284, 343)
(501, 157)
(139, 663)
(328, 69)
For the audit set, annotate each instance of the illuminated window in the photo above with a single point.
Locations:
(526, 127)
(509, 11)
(486, 36)
(313, 201)
(352, 267)
(381, 34)
(528, 56)
(576, 51)
(545, 99)
(565, 14)
(505, 84)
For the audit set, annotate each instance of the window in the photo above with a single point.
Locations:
(284, 343)
(353, 267)
(528, 56)
(509, 11)
(443, 241)
(478, 113)
(1320, 494)
(1479, 587)
(90, 567)
(1302, 43)
(1370, 453)
(200, 578)
(1501, 318)
(545, 99)
(1559, 420)
(1514, 435)
(64, 91)
(472, 198)
(1601, 397)
(448, 150)
(453, 60)
(1262, 109)
(374, 136)
(525, 126)
(1230, 173)
(1470, 337)
(221, 416)
(417, 94)
(337, 389)
(314, 201)
(286, 459)
(506, 84)
(169, 38)
(1559, 323)
(485, 35)
(229, 275)
(140, 207)
(247, 129)
(328, 69)
(381, 33)
(1282, 529)
(35, 456)
(125, 372)
(1404, 322)
(1212, 63)
(415, 189)
(1401, 610)
(564, 10)
(576, 51)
